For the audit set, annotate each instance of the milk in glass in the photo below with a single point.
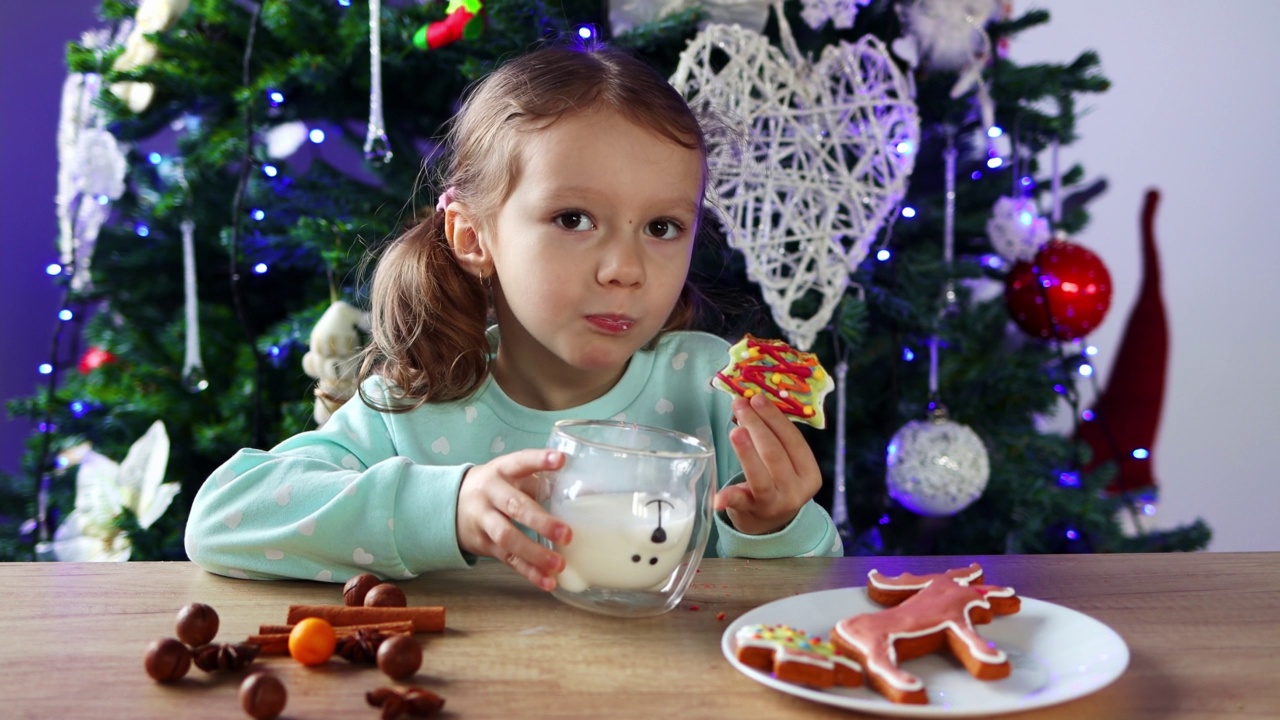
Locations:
(623, 541)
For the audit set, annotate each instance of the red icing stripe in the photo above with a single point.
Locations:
(793, 381)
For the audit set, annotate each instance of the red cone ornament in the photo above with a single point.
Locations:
(1064, 293)
(1126, 415)
(94, 358)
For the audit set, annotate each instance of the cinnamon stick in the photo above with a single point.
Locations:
(425, 618)
(277, 643)
(398, 626)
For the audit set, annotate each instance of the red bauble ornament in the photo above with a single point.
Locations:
(94, 358)
(1063, 294)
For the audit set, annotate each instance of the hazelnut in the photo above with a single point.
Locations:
(385, 595)
(197, 624)
(262, 696)
(167, 660)
(357, 587)
(399, 656)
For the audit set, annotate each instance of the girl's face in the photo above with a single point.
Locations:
(591, 248)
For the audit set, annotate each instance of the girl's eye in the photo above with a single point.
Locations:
(665, 229)
(575, 221)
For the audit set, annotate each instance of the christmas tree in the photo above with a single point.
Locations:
(228, 165)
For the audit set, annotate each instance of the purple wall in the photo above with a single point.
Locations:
(33, 38)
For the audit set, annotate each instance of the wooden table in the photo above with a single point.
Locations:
(1203, 631)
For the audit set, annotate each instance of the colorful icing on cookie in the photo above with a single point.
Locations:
(793, 380)
(794, 656)
(936, 611)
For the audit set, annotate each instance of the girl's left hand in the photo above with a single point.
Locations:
(781, 472)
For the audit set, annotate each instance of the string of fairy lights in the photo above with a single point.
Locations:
(64, 352)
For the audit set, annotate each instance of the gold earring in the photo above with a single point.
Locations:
(484, 280)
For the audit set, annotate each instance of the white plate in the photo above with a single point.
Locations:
(1057, 655)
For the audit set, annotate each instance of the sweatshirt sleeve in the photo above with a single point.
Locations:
(327, 505)
(811, 533)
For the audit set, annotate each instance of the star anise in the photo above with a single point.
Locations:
(362, 647)
(228, 656)
(413, 701)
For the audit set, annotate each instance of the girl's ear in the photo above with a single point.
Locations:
(464, 239)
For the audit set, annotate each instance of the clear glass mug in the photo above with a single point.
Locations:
(639, 501)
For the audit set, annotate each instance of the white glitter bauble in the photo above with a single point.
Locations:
(936, 467)
(1016, 230)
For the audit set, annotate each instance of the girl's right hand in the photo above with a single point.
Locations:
(498, 494)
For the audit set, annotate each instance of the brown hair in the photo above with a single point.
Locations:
(428, 315)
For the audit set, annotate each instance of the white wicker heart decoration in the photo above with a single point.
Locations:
(826, 152)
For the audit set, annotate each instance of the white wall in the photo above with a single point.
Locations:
(1194, 110)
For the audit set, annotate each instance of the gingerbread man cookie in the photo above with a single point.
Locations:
(928, 613)
(794, 381)
(793, 656)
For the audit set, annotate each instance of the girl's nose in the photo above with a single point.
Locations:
(621, 263)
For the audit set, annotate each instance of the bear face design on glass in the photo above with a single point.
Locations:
(623, 541)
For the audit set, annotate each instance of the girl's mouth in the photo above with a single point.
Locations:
(613, 324)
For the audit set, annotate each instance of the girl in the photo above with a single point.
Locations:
(575, 185)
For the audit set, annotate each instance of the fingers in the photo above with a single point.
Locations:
(494, 497)
(759, 479)
(771, 436)
(536, 562)
(780, 471)
(731, 497)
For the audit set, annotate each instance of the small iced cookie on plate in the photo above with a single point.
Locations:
(794, 381)
(795, 657)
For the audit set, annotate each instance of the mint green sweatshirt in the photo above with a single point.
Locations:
(378, 492)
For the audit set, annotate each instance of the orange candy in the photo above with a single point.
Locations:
(312, 640)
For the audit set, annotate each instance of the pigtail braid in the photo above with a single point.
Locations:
(428, 319)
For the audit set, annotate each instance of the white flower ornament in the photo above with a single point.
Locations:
(105, 489)
(1016, 229)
